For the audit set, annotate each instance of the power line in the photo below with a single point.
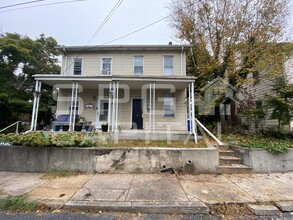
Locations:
(54, 3)
(144, 27)
(116, 6)
(22, 3)
(106, 19)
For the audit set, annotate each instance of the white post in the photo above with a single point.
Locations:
(113, 106)
(116, 110)
(109, 106)
(150, 103)
(192, 109)
(75, 102)
(154, 106)
(71, 107)
(37, 108)
(34, 106)
(189, 109)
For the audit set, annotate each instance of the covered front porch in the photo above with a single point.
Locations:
(123, 104)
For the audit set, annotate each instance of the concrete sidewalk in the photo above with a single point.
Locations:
(150, 193)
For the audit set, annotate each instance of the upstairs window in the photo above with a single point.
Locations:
(168, 65)
(169, 106)
(106, 66)
(77, 66)
(138, 65)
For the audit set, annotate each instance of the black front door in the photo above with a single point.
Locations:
(137, 121)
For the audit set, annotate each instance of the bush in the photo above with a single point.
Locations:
(270, 144)
(40, 139)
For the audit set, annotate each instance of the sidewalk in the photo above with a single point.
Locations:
(150, 193)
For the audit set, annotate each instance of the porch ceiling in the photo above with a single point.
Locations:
(134, 82)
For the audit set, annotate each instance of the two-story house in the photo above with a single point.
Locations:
(126, 87)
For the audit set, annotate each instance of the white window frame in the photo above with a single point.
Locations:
(101, 66)
(164, 73)
(138, 74)
(169, 97)
(73, 61)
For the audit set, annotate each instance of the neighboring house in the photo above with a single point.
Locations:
(218, 101)
(262, 85)
(126, 87)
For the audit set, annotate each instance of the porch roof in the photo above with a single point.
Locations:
(134, 82)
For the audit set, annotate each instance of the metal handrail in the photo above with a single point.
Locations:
(209, 133)
(17, 126)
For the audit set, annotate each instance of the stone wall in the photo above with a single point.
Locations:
(108, 160)
(261, 160)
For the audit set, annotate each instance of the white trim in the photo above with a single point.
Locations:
(117, 105)
(72, 68)
(101, 66)
(142, 65)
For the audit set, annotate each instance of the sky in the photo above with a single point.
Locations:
(75, 23)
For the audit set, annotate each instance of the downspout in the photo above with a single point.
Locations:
(181, 61)
(65, 64)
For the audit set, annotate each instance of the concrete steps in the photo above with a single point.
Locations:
(230, 162)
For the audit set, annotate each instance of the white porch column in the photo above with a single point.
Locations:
(193, 113)
(189, 109)
(113, 105)
(71, 107)
(35, 105)
(110, 106)
(150, 103)
(154, 106)
(116, 110)
(38, 103)
(75, 105)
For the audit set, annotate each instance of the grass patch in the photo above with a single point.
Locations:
(58, 174)
(17, 203)
(271, 144)
(161, 144)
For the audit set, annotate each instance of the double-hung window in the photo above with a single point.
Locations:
(77, 66)
(138, 65)
(169, 106)
(168, 65)
(106, 66)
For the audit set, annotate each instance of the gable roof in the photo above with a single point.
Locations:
(218, 78)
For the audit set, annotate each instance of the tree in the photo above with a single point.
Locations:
(281, 102)
(231, 38)
(21, 58)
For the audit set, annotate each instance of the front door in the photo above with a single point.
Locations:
(102, 112)
(137, 120)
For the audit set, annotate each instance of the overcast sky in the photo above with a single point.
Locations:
(75, 23)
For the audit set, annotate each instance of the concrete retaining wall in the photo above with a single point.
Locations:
(108, 160)
(261, 160)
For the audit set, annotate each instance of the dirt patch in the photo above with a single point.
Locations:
(231, 211)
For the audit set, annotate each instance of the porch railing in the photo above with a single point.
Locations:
(208, 132)
(15, 123)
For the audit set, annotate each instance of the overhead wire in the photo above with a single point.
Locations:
(40, 5)
(22, 3)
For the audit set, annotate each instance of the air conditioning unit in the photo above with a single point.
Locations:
(106, 72)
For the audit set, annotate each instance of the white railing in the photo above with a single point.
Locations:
(15, 123)
(208, 132)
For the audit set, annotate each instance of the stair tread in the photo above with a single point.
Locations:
(240, 166)
(229, 158)
(226, 151)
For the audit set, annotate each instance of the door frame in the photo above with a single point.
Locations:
(99, 99)
(131, 111)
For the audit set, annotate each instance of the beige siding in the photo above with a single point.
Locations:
(122, 63)
(177, 123)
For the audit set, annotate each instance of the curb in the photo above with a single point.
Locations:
(157, 207)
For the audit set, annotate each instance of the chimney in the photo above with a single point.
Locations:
(170, 43)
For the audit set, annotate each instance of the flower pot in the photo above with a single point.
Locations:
(77, 127)
(104, 128)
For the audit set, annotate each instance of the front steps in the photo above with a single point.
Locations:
(230, 163)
